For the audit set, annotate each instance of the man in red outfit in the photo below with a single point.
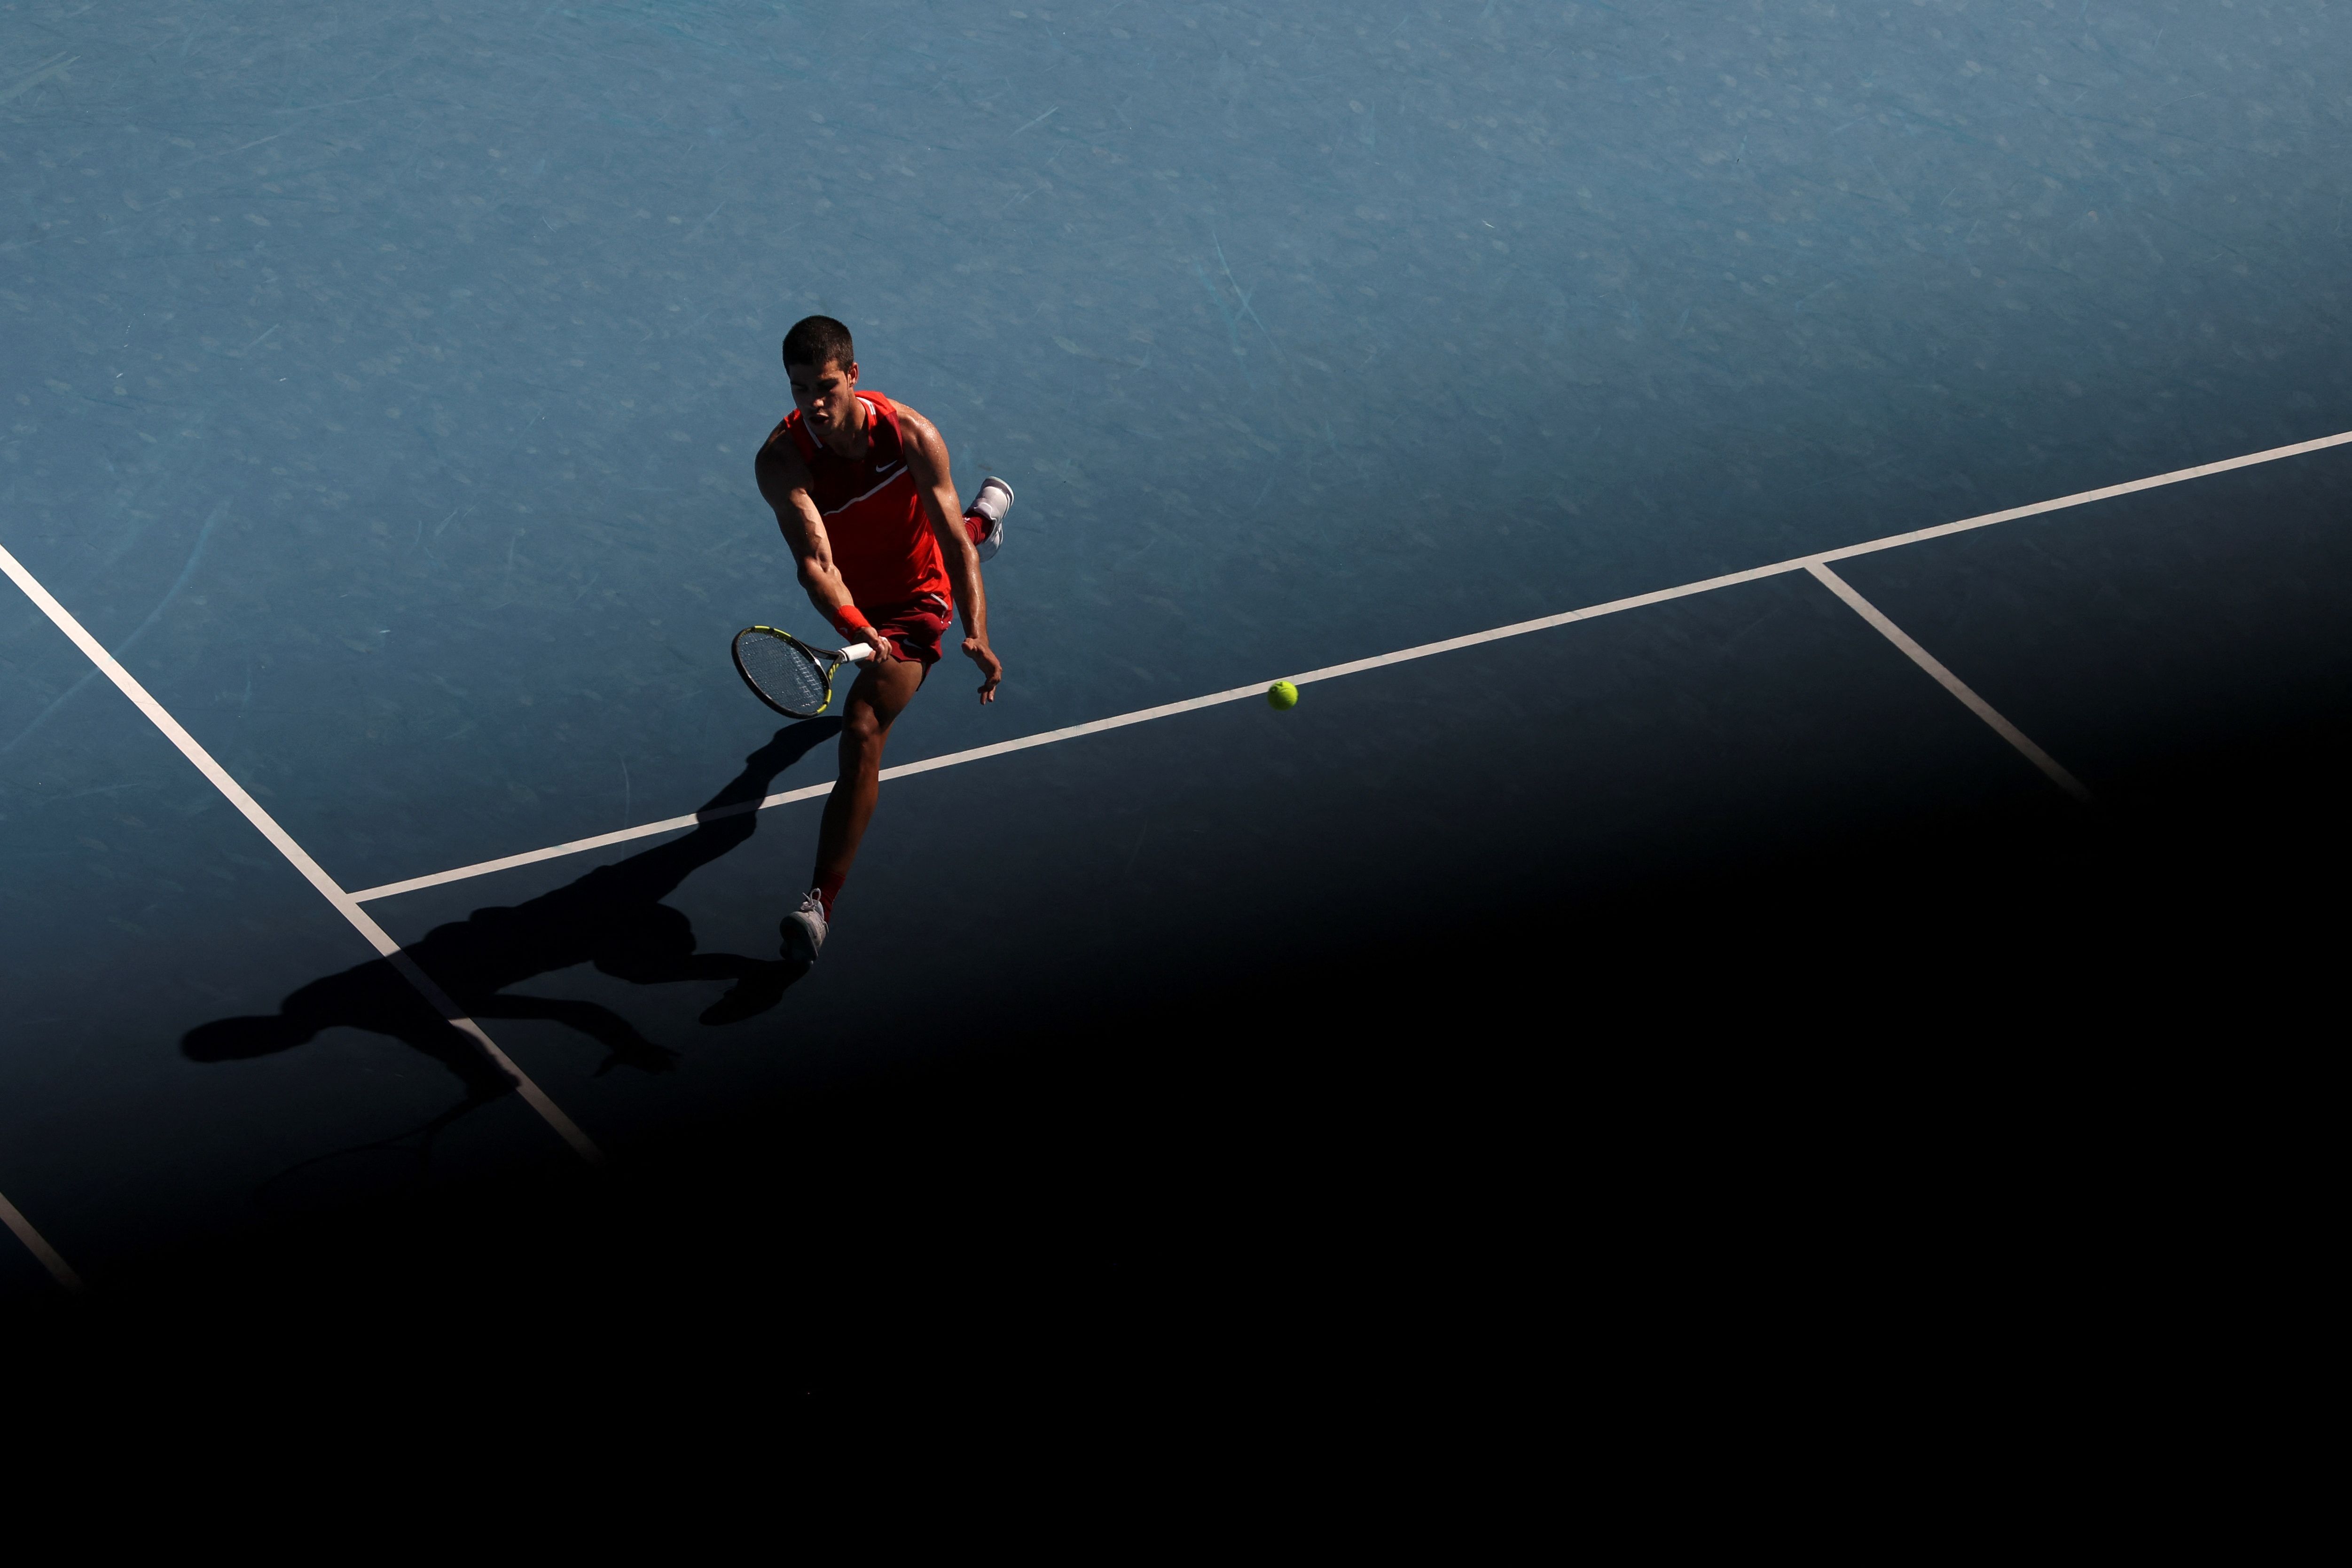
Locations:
(861, 488)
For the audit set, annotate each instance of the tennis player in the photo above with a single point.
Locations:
(861, 491)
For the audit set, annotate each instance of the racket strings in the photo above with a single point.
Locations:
(782, 673)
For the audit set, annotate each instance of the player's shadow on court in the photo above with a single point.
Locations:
(613, 918)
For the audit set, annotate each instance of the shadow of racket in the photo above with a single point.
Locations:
(381, 1169)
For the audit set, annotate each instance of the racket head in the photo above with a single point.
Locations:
(784, 672)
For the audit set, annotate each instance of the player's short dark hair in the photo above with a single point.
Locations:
(817, 342)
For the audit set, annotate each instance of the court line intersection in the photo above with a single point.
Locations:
(1947, 681)
(296, 856)
(1816, 564)
(348, 904)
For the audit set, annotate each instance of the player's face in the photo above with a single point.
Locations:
(823, 392)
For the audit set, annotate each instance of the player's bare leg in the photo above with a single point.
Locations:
(876, 698)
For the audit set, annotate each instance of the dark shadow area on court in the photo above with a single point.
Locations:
(1933, 1063)
(613, 918)
(1700, 998)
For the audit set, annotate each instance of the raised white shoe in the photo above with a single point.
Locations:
(803, 930)
(995, 499)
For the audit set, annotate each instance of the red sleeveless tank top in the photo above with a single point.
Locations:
(882, 544)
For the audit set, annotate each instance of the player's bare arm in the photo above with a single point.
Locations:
(784, 484)
(927, 458)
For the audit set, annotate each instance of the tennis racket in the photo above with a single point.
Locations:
(788, 675)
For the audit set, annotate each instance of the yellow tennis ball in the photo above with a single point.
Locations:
(1282, 694)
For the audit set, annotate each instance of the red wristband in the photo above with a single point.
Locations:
(849, 620)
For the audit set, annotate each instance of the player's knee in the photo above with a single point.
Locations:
(861, 732)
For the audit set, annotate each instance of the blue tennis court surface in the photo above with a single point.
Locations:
(383, 385)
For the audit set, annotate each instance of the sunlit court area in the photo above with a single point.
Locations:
(1809, 545)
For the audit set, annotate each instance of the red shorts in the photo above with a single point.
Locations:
(915, 628)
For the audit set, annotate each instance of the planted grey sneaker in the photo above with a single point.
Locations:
(803, 930)
(988, 508)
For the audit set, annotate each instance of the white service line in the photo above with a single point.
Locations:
(345, 905)
(1815, 564)
(810, 792)
(581, 846)
(38, 1245)
(2085, 498)
(1949, 682)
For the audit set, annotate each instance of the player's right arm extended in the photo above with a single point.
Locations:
(783, 483)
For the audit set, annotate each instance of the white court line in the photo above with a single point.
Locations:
(38, 1245)
(1425, 650)
(810, 792)
(1949, 682)
(345, 905)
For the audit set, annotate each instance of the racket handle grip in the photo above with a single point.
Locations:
(858, 650)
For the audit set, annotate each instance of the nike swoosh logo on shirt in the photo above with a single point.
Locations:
(881, 481)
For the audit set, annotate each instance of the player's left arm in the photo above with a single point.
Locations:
(927, 459)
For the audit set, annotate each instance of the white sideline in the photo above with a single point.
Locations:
(1949, 682)
(1815, 564)
(38, 1245)
(345, 905)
